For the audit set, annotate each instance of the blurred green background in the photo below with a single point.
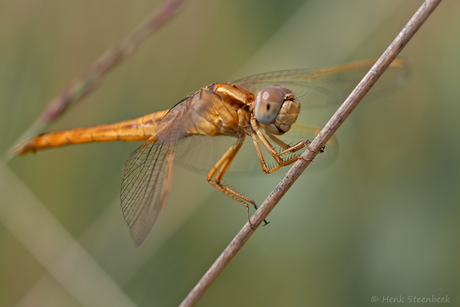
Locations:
(382, 220)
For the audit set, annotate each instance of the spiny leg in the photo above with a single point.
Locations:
(285, 146)
(280, 164)
(288, 148)
(275, 154)
(220, 167)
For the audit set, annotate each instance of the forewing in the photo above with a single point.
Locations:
(318, 87)
(146, 176)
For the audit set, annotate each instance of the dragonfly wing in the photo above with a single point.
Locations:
(200, 153)
(318, 87)
(146, 176)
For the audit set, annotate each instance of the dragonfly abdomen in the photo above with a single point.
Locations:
(137, 129)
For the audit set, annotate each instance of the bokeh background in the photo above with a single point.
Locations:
(382, 220)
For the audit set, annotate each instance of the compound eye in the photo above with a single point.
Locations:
(268, 104)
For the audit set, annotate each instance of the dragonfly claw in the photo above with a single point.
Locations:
(305, 159)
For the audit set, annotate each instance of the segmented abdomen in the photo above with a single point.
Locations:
(129, 130)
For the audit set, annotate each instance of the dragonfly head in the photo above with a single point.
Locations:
(276, 109)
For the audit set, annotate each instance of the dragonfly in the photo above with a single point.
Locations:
(261, 108)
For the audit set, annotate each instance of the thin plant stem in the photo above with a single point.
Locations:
(321, 139)
(87, 82)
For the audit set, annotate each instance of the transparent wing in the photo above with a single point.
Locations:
(331, 85)
(201, 153)
(146, 176)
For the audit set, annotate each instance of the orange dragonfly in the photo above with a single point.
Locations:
(263, 107)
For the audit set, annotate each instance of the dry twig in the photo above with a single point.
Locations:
(325, 134)
(108, 60)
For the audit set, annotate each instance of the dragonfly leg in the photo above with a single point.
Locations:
(278, 141)
(280, 164)
(276, 155)
(285, 146)
(220, 168)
